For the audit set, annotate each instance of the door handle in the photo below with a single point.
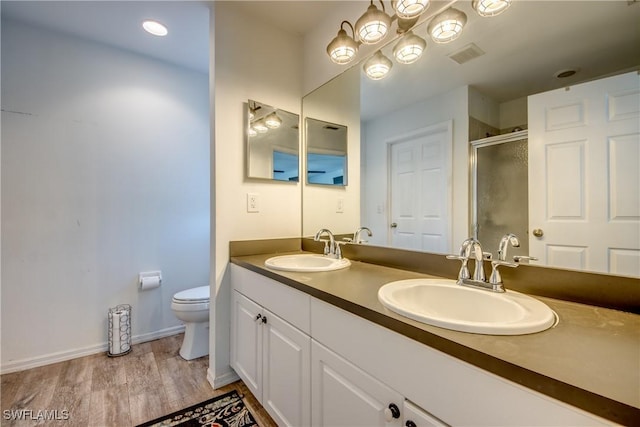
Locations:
(538, 232)
(394, 225)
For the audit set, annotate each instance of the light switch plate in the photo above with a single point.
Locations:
(340, 205)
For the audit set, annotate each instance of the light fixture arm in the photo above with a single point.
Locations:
(353, 32)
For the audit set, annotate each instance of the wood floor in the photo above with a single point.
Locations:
(151, 381)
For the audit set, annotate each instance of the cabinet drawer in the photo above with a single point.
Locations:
(288, 303)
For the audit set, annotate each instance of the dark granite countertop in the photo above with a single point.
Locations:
(590, 360)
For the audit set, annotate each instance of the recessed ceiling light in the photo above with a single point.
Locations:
(155, 28)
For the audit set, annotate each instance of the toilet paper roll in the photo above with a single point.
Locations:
(114, 347)
(150, 282)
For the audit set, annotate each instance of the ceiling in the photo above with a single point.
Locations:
(118, 23)
(524, 47)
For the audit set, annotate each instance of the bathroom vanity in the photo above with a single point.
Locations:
(320, 349)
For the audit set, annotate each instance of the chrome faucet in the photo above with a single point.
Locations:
(468, 248)
(475, 246)
(496, 279)
(331, 247)
(356, 236)
(504, 244)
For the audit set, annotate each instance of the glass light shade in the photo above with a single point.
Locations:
(155, 28)
(410, 8)
(272, 121)
(447, 26)
(342, 48)
(378, 66)
(373, 25)
(409, 48)
(260, 126)
(252, 132)
(490, 7)
(252, 115)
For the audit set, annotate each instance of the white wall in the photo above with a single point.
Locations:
(513, 113)
(247, 66)
(484, 108)
(448, 106)
(105, 173)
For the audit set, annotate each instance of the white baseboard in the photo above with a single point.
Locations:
(61, 356)
(221, 380)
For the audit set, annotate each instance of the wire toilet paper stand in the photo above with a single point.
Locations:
(119, 330)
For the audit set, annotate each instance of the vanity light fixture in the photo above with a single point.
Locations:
(272, 121)
(410, 8)
(447, 26)
(409, 49)
(490, 7)
(343, 48)
(260, 126)
(373, 25)
(377, 66)
(155, 28)
(252, 132)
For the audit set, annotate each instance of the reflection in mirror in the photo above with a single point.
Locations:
(272, 141)
(500, 190)
(482, 95)
(326, 152)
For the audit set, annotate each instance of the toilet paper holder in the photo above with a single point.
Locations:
(119, 330)
(149, 280)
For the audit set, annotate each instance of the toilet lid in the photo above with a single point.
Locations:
(200, 293)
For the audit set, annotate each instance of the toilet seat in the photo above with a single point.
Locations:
(197, 295)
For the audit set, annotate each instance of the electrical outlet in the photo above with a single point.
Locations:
(253, 203)
(340, 205)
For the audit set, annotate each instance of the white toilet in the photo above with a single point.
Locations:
(192, 307)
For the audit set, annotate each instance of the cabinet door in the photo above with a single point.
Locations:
(246, 342)
(286, 391)
(344, 395)
(415, 416)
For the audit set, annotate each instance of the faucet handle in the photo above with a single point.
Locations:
(496, 279)
(522, 259)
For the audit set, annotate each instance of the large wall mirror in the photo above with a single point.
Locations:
(516, 54)
(272, 143)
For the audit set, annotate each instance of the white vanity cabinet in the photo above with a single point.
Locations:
(316, 364)
(270, 354)
(415, 416)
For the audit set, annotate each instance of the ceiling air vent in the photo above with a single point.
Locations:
(467, 53)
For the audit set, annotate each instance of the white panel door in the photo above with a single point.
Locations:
(287, 372)
(420, 189)
(344, 395)
(246, 342)
(584, 179)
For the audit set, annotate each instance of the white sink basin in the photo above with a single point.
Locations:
(443, 303)
(306, 263)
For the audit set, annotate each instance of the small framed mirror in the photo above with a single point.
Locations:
(326, 152)
(272, 140)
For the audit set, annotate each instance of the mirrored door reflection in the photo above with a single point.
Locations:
(501, 193)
